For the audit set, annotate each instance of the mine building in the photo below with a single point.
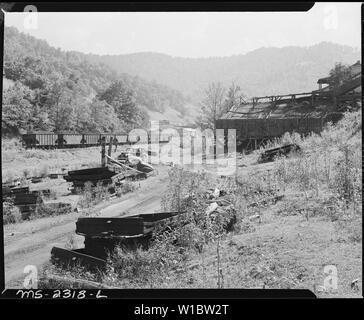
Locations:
(269, 117)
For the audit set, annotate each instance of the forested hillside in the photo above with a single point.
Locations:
(265, 71)
(48, 89)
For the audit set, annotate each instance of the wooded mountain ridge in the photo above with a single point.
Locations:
(50, 89)
(265, 71)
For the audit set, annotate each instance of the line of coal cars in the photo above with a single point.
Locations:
(48, 140)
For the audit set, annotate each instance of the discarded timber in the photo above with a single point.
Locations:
(266, 201)
(27, 201)
(44, 192)
(142, 167)
(110, 226)
(36, 179)
(54, 175)
(141, 224)
(19, 190)
(27, 198)
(72, 258)
(94, 177)
(91, 171)
(103, 235)
(270, 154)
(11, 185)
(104, 175)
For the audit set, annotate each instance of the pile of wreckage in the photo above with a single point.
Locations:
(111, 173)
(31, 201)
(103, 235)
(270, 154)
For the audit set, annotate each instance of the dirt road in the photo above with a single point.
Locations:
(31, 244)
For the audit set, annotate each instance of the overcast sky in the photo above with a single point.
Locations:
(189, 34)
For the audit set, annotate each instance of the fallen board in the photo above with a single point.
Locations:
(83, 177)
(152, 217)
(24, 198)
(270, 154)
(110, 226)
(103, 235)
(89, 171)
(64, 257)
(141, 224)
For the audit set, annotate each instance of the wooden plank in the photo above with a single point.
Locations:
(44, 192)
(27, 199)
(91, 177)
(20, 190)
(89, 171)
(151, 217)
(36, 179)
(269, 154)
(66, 257)
(81, 184)
(109, 226)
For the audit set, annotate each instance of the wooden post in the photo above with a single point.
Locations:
(103, 152)
(110, 148)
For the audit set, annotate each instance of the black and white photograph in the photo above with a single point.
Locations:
(165, 149)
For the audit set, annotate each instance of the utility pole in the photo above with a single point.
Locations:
(103, 152)
(110, 148)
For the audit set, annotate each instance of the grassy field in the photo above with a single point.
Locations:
(18, 163)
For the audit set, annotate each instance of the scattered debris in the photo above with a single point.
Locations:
(105, 175)
(266, 201)
(270, 154)
(354, 284)
(139, 167)
(56, 175)
(216, 193)
(36, 179)
(27, 201)
(256, 217)
(102, 235)
(211, 208)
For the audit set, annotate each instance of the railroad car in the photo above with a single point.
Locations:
(41, 140)
(47, 140)
(69, 140)
(90, 139)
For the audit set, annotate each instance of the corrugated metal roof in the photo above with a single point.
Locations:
(276, 110)
(297, 105)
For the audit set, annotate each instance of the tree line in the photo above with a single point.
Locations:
(52, 90)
